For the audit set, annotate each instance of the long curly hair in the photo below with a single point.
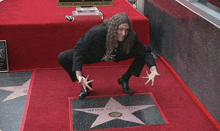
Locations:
(112, 35)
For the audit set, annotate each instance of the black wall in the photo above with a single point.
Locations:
(191, 45)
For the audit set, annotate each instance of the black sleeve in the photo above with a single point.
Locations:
(144, 52)
(81, 49)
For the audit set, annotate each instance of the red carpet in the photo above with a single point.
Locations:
(36, 31)
(47, 107)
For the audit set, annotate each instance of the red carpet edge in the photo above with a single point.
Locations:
(195, 99)
(27, 101)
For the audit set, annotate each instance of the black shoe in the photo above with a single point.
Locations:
(83, 94)
(125, 87)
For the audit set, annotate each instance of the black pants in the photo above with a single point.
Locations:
(66, 60)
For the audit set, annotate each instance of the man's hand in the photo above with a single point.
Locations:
(108, 58)
(152, 75)
(85, 83)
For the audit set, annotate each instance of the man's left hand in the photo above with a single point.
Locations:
(152, 75)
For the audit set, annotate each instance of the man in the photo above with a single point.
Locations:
(114, 40)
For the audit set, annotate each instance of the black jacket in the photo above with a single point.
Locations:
(91, 48)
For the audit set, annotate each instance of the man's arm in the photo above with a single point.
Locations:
(145, 52)
(153, 69)
(79, 75)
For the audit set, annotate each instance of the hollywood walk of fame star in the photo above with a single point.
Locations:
(114, 110)
(18, 91)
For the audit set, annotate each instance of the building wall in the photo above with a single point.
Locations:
(191, 45)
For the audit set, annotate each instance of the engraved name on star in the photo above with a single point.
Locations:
(114, 110)
(17, 91)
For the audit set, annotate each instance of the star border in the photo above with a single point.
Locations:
(116, 95)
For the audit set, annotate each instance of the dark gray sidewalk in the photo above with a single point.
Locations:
(13, 94)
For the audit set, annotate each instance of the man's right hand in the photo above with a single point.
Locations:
(85, 83)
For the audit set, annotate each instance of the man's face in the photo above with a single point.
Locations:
(122, 31)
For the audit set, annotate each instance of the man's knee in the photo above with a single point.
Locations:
(65, 56)
(61, 57)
